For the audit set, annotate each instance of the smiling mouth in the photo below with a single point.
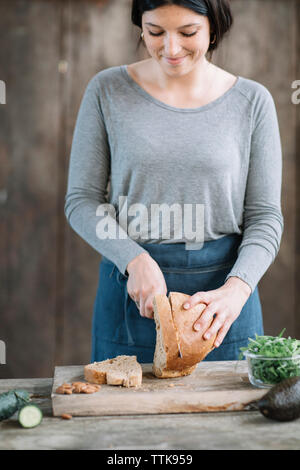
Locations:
(176, 60)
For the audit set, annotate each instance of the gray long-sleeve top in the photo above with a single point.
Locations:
(225, 157)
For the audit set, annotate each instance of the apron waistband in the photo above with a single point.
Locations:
(213, 253)
(175, 257)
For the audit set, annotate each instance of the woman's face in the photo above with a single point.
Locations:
(167, 37)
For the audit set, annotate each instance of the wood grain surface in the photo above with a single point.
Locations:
(213, 386)
(233, 430)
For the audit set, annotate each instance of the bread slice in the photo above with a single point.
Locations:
(121, 370)
(174, 330)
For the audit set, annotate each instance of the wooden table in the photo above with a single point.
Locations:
(222, 430)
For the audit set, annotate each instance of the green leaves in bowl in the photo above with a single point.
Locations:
(272, 358)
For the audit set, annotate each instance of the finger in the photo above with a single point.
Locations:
(149, 308)
(216, 325)
(195, 299)
(134, 295)
(222, 333)
(142, 307)
(146, 308)
(204, 321)
(149, 314)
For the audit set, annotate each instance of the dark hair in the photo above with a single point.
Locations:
(218, 13)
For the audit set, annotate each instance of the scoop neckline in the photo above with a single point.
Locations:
(151, 98)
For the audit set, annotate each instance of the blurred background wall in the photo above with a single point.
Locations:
(49, 51)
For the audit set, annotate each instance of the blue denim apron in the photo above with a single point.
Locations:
(118, 328)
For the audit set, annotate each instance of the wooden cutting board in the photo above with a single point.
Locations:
(213, 386)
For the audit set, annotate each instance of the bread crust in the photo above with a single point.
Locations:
(193, 346)
(169, 374)
(176, 326)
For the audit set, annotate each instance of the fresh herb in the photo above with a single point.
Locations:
(285, 354)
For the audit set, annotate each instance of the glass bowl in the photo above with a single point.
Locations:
(265, 372)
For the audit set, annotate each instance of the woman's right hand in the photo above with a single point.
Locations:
(145, 280)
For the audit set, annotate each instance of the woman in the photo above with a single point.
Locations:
(178, 131)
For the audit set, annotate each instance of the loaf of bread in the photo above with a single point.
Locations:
(121, 370)
(174, 331)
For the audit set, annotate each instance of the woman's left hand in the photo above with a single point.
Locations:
(225, 303)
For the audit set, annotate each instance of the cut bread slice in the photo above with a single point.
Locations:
(174, 331)
(121, 370)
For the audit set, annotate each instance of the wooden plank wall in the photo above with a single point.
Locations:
(49, 51)
(29, 182)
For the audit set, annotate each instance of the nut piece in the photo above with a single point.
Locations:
(91, 389)
(85, 387)
(64, 389)
(66, 416)
(77, 387)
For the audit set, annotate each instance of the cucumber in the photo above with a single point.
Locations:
(12, 401)
(30, 416)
